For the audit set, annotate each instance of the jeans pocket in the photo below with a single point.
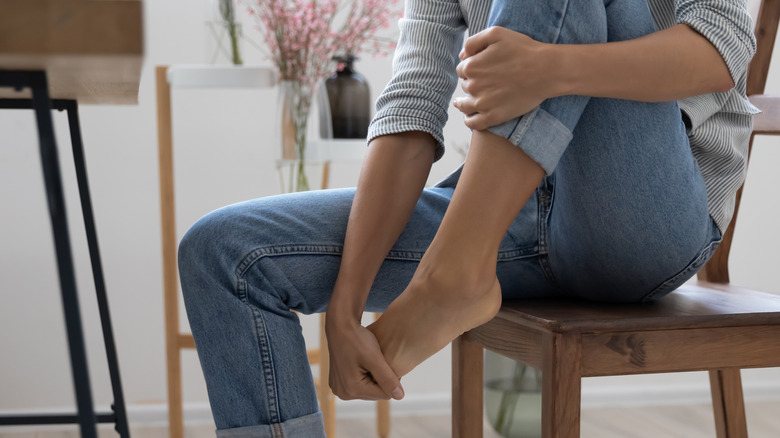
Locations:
(689, 271)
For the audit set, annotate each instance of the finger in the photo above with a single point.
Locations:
(385, 377)
(478, 121)
(479, 42)
(464, 85)
(360, 388)
(466, 105)
(459, 70)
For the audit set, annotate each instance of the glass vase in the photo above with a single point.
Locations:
(296, 100)
(513, 397)
(350, 100)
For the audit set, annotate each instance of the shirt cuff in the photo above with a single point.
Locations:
(410, 120)
(735, 47)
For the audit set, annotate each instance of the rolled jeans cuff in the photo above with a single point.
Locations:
(539, 134)
(309, 426)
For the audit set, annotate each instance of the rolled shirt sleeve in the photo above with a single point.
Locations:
(424, 78)
(727, 25)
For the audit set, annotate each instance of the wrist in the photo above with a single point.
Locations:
(567, 68)
(347, 304)
(339, 319)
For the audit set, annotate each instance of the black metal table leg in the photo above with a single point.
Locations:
(56, 201)
(42, 104)
(97, 268)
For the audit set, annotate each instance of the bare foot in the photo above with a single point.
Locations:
(433, 310)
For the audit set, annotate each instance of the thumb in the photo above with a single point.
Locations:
(479, 42)
(385, 377)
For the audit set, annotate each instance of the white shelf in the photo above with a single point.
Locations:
(203, 76)
(221, 76)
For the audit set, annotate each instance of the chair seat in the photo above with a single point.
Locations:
(696, 304)
(698, 327)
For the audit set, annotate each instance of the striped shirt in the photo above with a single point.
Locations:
(719, 124)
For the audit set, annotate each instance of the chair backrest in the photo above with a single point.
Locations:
(766, 14)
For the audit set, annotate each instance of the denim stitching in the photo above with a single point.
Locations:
(330, 249)
(264, 346)
(560, 24)
(546, 195)
(525, 121)
(697, 263)
(302, 249)
(522, 126)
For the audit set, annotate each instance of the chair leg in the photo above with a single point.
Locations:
(382, 409)
(383, 418)
(561, 384)
(728, 404)
(326, 397)
(467, 366)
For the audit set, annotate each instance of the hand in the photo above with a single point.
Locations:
(506, 74)
(358, 369)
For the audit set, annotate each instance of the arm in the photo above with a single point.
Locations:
(405, 138)
(668, 65)
(706, 52)
(391, 180)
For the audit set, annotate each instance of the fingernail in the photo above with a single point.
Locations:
(398, 394)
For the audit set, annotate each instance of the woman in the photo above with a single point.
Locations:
(610, 197)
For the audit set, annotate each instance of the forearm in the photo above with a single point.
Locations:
(391, 181)
(672, 64)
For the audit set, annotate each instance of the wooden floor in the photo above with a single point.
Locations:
(689, 421)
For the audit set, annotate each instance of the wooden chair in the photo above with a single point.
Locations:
(706, 325)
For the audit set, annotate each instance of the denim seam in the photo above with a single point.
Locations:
(697, 263)
(545, 206)
(264, 346)
(560, 24)
(330, 249)
(517, 134)
(522, 126)
(287, 249)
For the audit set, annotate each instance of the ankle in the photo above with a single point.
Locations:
(458, 282)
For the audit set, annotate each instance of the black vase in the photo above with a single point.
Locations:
(350, 100)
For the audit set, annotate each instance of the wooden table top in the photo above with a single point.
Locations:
(92, 50)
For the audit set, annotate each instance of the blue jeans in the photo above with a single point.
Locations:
(621, 217)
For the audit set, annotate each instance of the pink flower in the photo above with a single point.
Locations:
(304, 35)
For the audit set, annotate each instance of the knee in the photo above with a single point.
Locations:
(553, 21)
(204, 250)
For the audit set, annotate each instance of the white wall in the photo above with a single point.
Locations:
(222, 156)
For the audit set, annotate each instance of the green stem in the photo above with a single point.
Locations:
(233, 30)
(509, 397)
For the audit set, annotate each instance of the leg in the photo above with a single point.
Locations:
(629, 219)
(382, 411)
(97, 270)
(245, 266)
(53, 181)
(456, 288)
(168, 240)
(728, 404)
(466, 388)
(561, 386)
